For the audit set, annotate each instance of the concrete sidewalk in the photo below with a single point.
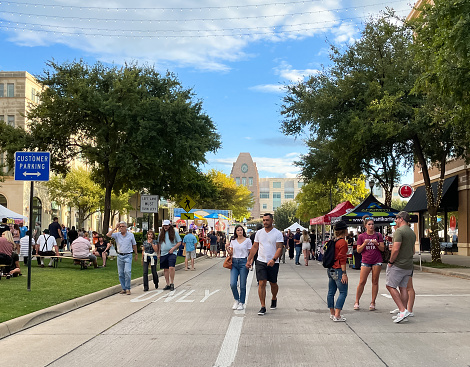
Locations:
(446, 259)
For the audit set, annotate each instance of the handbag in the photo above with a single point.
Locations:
(228, 262)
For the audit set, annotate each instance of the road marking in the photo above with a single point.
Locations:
(170, 296)
(432, 295)
(182, 299)
(229, 348)
(208, 294)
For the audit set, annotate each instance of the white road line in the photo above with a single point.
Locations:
(229, 348)
(432, 295)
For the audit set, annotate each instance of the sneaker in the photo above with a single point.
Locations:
(235, 305)
(241, 307)
(262, 311)
(172, 287)
(410, 315)
(273, 304)
(396, 310)
(341, 318)
(128, 292)
(401, 316)
(167, 287)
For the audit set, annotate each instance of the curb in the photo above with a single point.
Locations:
(13, 326)
(446, 272)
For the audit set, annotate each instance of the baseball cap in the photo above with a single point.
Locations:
(404, 215)
(166, 222)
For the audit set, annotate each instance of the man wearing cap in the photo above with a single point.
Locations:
(126, 244)
(400, 266)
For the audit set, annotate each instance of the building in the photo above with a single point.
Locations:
(268, 193)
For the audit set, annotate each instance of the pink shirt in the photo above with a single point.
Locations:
(81, 247)
(371, 253)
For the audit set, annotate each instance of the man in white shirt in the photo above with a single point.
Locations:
(268, 243)
(47, 246)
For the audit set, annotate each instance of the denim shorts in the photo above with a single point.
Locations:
(371, 265)
(167, 261)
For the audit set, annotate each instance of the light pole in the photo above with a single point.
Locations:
(371, 184)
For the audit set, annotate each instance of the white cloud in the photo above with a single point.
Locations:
(268, 88)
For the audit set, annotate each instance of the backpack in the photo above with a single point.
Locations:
(329, 253)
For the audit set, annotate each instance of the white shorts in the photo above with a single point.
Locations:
(191, 254)
(306, 246)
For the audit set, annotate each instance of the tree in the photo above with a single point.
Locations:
(349, 135)
(399, 204)
(12, 139)
(316, 198)
(285, 215)
(78, 190)
(134, 127)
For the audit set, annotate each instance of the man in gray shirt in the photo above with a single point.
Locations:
(126, 244)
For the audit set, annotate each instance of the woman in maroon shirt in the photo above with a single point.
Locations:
(337, 277)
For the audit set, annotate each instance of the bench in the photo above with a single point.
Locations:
(56, 259)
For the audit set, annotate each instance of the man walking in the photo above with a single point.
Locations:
(190, 242)
(268, 243)
(400, 266)
(126, 244)
(55, 230)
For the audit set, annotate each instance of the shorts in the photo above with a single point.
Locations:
(167, 261)
(191, 254)
(370, 265)
(398, 277)
(213, 248)
(306, 246)
(58, 242)
(265, 272)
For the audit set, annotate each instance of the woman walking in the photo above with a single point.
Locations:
(290, 241)
(337, 277)
(239, 248)
(169, 241)
(305, 240)
(150, 254)
(370, 245)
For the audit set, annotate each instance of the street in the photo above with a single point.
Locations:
(195, 326)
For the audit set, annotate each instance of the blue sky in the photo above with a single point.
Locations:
(236, 55)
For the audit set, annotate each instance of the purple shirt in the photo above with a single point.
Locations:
(371, 253)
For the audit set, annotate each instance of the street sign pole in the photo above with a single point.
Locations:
(31, 194)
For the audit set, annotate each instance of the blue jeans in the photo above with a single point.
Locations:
(124, 265)
(334, 283)
(298, 250)
(238, 269)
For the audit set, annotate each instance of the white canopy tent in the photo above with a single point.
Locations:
(294, 227)
(7, 213)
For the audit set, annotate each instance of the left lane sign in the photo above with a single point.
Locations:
(32, 166)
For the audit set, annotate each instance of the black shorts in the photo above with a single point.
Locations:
(167, 261)
(265, 272)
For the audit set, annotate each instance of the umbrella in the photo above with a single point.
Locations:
(212, 216)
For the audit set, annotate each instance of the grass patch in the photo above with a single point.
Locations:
(51, 286)
(438, 265)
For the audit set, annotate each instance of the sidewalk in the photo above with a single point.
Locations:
(446, 259)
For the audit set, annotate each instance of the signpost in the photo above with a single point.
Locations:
(149, 203)
(32, 166)
(187, 204)
(187, 216)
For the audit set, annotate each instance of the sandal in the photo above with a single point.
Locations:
(341, 318)
(372, 307)
(356, 306)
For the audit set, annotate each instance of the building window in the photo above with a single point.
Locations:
(3, 200)
(244, 181)
(299, 184)
(10, 90)
(37, 211)
(2, 91)
(264, 195)
(11, 120)
(33, 94)
(265, 206)
(276, 200)
(288, 195)
(276, 185)
(237, 180)
(250, 181)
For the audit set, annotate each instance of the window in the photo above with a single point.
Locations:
(276, 195)
(37, 211)
(244, 181)
(276, 200)
(237, 180)
(2, 90)
(288, 195)
(11, 120)
(265, 206)
(276, 185)
(299, 184)
(264, 195)
(250, 181)
(10, 90)
(3, 200)
(33, 94)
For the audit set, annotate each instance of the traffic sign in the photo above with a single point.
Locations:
(187, 216)
(32, 166)
(187, 203)
(149, 203)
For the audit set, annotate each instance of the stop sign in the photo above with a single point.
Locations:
(405, 191)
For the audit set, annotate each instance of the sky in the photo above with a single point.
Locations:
(237, 55)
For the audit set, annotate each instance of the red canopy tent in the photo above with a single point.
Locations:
(338, 211)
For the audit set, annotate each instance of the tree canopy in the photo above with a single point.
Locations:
(137, 129)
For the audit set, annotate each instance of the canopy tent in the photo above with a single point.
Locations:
(338, 211)
(370, 207)
(7, 213)
(293, 227)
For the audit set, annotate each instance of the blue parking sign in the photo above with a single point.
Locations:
(32, 166)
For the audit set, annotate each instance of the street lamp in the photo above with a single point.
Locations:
(371, 184)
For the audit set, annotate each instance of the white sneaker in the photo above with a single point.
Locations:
(241, 307)
(396, 310)
(410, 315)
(401, 316)
(235, 305)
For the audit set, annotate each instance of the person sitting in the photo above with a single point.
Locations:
(24, 247)
(81, 249)
(6, 251)
(46, 246)
(102, 249)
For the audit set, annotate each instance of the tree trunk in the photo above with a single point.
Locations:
(109, 179)
(388, 197)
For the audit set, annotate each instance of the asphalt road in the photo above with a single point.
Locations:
(195, 326)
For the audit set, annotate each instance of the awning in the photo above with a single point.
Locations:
(450, 197)
(338, 211)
